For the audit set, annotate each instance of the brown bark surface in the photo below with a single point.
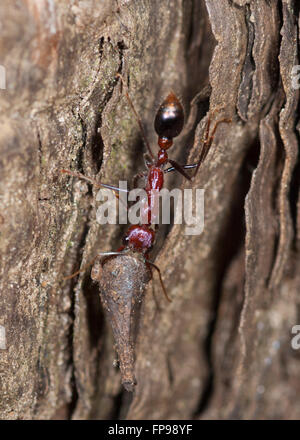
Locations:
(222, 348)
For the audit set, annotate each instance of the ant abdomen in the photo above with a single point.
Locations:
(169, 119)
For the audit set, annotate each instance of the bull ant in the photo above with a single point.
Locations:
(124, 274)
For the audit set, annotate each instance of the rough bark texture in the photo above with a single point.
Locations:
(222, 348)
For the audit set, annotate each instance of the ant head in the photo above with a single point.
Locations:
(169, 118)
(139, 238)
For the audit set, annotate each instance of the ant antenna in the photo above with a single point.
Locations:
(160, 278)
(97, 184)
(136, 115)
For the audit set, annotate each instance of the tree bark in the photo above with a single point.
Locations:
(222, 348)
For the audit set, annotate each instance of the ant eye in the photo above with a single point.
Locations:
(169, 118)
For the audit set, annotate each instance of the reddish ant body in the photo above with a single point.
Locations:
(122, 285)
(168, 124)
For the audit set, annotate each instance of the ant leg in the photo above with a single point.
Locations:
(205, 145)
(81, 176)
(184, 167)
(86, 266)
(160, 278)
(136, 115)
(211, 138)
(179, 168)
(201, 96)
(108, 255)
(96, 184)
(227, 120)
(136, 178)
(208, 141)
(207, 128)
(154, 298)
